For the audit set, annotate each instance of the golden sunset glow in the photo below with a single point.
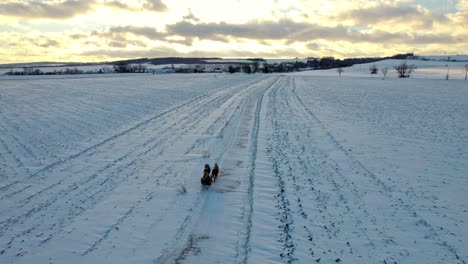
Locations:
(100, 30)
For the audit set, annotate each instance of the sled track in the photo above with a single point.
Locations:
(248, 211)
(184, 229)
(183, 232)
(180, 243)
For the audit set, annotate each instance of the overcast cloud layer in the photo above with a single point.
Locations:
(97, 30)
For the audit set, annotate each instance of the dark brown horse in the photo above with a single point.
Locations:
(214, 173)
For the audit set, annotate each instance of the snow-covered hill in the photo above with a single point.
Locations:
(313, 168)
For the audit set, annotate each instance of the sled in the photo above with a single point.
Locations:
(206, 181)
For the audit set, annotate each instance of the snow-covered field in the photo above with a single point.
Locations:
(314, 168)
(424, 70)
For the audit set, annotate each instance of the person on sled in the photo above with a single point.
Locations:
(207, 169)
(206, 179)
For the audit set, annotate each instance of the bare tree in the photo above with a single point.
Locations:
(404, 69)
(373, 69)
(466, 71)
(28, 70)
(122, 67)
(339, 70)
(246, 68)
(447, 74)
(384, 72)
(255, 66)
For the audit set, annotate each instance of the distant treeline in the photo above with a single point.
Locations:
(330, 62)
(260, 65)
(317, 63)
(252, 65)
(167, 60)
(66, 71)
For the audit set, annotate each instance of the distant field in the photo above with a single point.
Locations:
(425, 69)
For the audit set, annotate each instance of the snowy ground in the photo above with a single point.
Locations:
(424, 70)
(313, 169)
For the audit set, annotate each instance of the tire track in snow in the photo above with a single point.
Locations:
(283, 204)
(25, 149)
(221, 120)
(90, 150)
(106, 234)
(300, 155)
(295, 156)
(115, 136)
(243, 248)
(30, 123)
(14, 159)
(70, 191)
(387, 190)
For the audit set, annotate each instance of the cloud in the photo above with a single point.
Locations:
(462, 5)
(291, 32)
(71, 8)
(44, 42)
(48, 43)
(126, 43)
(395, 12)
(461, 16)
(123, 36)
(252, 30)
(77, 36)
(148, 32)
(117, 44)
(145, 5)
(118, 5)
(125, 54)
(313, 46)
(121, 33)
(296, 28)
(155, 5)
(48, 9)
(265, 30)
(105, 54)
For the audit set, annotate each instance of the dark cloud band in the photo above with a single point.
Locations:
(70, 8)
(30, 9)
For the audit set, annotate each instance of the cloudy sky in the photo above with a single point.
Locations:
(100, 30)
